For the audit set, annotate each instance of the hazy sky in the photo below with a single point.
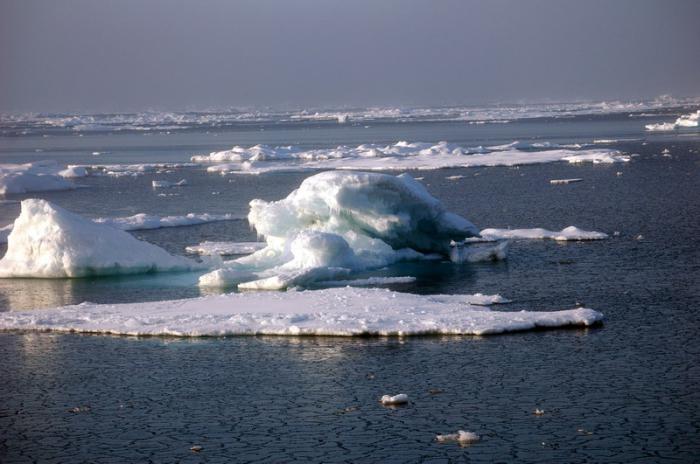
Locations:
(98, 55)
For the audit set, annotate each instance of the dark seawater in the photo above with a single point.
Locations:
(624, 392)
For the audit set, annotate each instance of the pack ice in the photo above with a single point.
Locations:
(48, 241)
(338, 222)
(40, 176)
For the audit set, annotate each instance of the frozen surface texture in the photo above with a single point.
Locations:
(340, 311)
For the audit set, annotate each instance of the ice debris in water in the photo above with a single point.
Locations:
(340, 222)
(466, 252)
(345, 311)
(462, 437)
(389, 400)
(48, 241)
(565, 181)
(168, 184)
(538, 412)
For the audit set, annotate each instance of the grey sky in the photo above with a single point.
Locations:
(100, 55)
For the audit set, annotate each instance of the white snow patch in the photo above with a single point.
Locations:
(568, 233)
(340, 311)
(49, 242)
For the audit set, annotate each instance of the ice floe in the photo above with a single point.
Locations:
(339, 222)
(461, 437)
(339, 311)
(50, 242)
(168, 184)
(686, 120)
(40, 176)
(568, 233)
(225, 248)
(144, 221)
(393, 400)
(261, 159)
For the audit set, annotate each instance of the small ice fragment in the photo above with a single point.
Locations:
(167, 184)
(639, 237)
(454, 177)
(388, 400)
(196, 448)
(564, 181)
(665, 151)
(618, 173)
(462, 437)
(538, 412)
(616, 233)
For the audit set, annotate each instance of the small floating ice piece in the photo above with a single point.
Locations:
(168, 184)
(538, 412)
(476, 252)
(388, 400)
(462, 437)
(565, 181)
(454, 177)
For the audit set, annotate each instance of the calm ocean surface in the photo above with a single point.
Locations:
(623, 392)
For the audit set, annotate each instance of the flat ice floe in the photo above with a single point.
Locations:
(340, 311)
(40, 176)
(568, 233)
(260, 159)
(50, 242)
(337, 223)
(225, 248)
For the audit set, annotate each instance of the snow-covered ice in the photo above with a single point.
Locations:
(686, 120)
(49, 242)
(568, 233)
(225, 248)
(40, 176)
(339, 311)
(339, 222)
(260, 159)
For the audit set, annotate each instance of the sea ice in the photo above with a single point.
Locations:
(389, 400)
(402, 155)
(225, 248)
(168, 184)
(144, 221)
(568, 233)
(462, 437)
(686, 120)
(40, 176)
(48, 241)
(339, 222)
(343, 311)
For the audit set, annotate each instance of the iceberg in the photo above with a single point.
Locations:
(40, 176)
(338, 311)
(339, 222)
(50, 242)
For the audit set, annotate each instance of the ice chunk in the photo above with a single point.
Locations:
(389, 400)
(225, 248)
(40, 176)
(564, 181)
(370, 282)
(347, 221)
(343, 311)
(660, 127)
(568, 233)
(462, 437)
(48, 241)
(168, 184)
(686, 120)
